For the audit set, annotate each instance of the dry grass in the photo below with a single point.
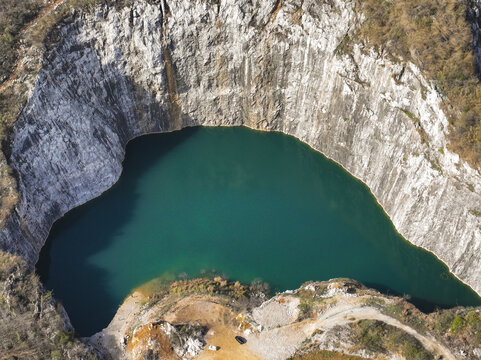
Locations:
(14, 15)
(436, 36)
(246, 296)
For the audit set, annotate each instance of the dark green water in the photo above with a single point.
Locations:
(248, 204)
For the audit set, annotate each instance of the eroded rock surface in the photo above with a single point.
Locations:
(269, 65)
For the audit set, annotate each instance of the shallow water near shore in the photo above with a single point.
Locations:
(249, 205)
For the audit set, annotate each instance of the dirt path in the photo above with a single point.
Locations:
(280, 343)
(46, 11)
(343, 315)
(273, 342)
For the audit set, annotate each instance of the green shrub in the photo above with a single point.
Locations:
(474, 319)
(457, 324)
(305, 308)
(371, 336)
(475, 212)
(379, 337)
(56, 354)
(415, 351)
(443, 322)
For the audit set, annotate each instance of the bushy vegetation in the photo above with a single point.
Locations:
(31, 326)
(435, 35)
(461, 325)
(457, 324)
(380, 337)
(246, 296)
(306, 308)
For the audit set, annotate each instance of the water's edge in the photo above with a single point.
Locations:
(105, 84)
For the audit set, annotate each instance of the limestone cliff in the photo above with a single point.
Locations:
(271, 65)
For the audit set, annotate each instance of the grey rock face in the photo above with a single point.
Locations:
(268, 65)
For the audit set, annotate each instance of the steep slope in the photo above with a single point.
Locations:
(271, 65)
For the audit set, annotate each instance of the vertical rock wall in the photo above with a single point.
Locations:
(269, 65)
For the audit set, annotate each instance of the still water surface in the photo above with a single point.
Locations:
(247, 204)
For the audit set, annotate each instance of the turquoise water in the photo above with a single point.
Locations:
(247, 204)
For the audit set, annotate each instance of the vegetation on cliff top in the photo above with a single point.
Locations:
(436, 36)
(211, 284)
(379, 337)
(13, 17)
(32, 325)
(458, 328)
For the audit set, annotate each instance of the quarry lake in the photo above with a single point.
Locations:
(249, 205)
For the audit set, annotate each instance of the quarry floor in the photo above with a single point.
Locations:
(276, 334)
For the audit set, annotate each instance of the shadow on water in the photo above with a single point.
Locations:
(269, 208)
(247, 204)
(424, 305)
(69, 288)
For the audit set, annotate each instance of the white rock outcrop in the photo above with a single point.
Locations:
(269, 65)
